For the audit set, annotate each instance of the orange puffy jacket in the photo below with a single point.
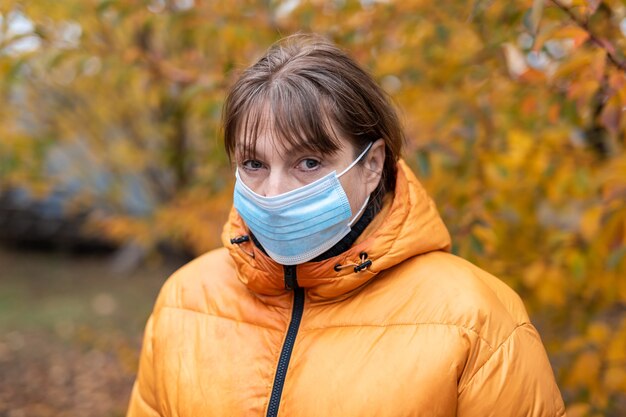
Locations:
(418, 332)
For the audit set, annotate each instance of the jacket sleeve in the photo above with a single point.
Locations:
(516, 380)
(143, 398)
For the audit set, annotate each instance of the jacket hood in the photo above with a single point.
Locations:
(411, 227)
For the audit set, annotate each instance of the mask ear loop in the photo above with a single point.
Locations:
(365, 263)
(358, 214)
(356, 160)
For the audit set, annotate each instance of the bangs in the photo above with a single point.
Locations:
(307, 94)
(292, 113)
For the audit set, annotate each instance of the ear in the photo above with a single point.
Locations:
(373, 165)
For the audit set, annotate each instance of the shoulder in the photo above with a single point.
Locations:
(503, 359)
(206, 293)
(439, 287)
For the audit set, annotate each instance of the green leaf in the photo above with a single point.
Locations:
(423, 164)
(615, 258)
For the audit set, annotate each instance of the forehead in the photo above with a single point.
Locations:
(264, 139)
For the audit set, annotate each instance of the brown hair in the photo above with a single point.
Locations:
(314, 94)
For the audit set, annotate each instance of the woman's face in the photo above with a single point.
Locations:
(277, 169)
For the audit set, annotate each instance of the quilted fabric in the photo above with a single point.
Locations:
(420, 332)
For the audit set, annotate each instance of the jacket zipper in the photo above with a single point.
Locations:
(292, 331)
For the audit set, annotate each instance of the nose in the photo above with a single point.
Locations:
(276, 184)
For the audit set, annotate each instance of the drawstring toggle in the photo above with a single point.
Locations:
(239, 239)
(358, 267)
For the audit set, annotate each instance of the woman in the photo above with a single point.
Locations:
(334, 294)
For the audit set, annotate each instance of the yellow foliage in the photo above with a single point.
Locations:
(575, 344)
(615, 378)
(533, 274)
(518, 136)
(578, 410)
(616, 350)
(520, 143)
(577, 34)
(550, 292)
(590, 222)
(585, 370)
(598, 333)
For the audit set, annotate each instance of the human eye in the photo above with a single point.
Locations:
(308, 164)
(252, 165)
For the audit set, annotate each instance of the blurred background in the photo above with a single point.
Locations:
(112, 172)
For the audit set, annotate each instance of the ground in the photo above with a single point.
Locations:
(70, 333)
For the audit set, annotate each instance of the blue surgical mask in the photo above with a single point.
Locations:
(296, 226)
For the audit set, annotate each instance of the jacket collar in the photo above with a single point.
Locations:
(411, 227)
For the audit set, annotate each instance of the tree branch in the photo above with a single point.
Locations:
(602, 43)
